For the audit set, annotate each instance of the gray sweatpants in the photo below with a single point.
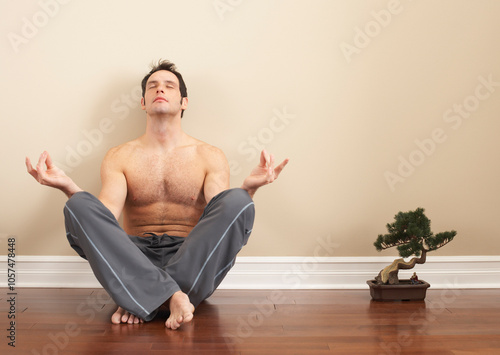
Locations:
(141, 273)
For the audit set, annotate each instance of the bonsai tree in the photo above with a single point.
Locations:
(411, 234)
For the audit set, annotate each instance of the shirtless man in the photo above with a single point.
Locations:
(162, 182)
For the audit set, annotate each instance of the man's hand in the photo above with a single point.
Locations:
(263, 174)
(51, 176)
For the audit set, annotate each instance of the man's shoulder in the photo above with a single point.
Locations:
(213, 157)
(121, 152)
(209, 152)
(127, 147)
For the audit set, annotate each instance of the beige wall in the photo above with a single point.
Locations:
(347, 89)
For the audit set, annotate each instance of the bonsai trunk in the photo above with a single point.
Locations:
(389, 275)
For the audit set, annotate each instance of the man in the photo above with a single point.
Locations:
(182, 225)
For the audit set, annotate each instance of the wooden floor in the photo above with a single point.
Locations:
(76, 321)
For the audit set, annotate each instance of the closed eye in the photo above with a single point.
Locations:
(169, 84)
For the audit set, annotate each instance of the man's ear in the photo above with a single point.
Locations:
(184, 103)
(143, 106)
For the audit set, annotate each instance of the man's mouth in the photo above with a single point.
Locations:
(160, 99)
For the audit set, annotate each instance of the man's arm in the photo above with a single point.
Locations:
(263, 174)
(114, 184)
(46, 173)
(217, 178)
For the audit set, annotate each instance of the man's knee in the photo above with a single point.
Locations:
(239, 195)
(235, 200)
(81, 202)
(239, 204)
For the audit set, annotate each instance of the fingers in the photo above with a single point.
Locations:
(39, 172)
(30, 168)
(48, 162)
(41, 162)
(264, 158)
(280, 167)
(267, 161)
(270, 169)
(40, 167)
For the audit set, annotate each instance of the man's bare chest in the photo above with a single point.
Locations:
(177, 180)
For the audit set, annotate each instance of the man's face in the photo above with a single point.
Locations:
(162, 94)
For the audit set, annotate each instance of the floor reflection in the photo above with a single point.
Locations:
(399, 328)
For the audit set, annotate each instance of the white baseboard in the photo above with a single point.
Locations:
(278, 272)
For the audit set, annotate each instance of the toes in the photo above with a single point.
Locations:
(188, 317)
(125, 317)
(171, 323)
(116, 317)
(178, 322)
(133, 319)
(175, 323)
(122, 316)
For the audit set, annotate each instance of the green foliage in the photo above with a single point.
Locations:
(411, 234)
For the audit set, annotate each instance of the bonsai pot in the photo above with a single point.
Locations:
(404, 291)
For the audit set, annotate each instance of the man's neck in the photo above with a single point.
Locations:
(164, 132)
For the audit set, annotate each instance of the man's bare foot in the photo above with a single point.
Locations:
(181, 310)
(122, 316)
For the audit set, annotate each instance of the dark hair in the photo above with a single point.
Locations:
(168, 66)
